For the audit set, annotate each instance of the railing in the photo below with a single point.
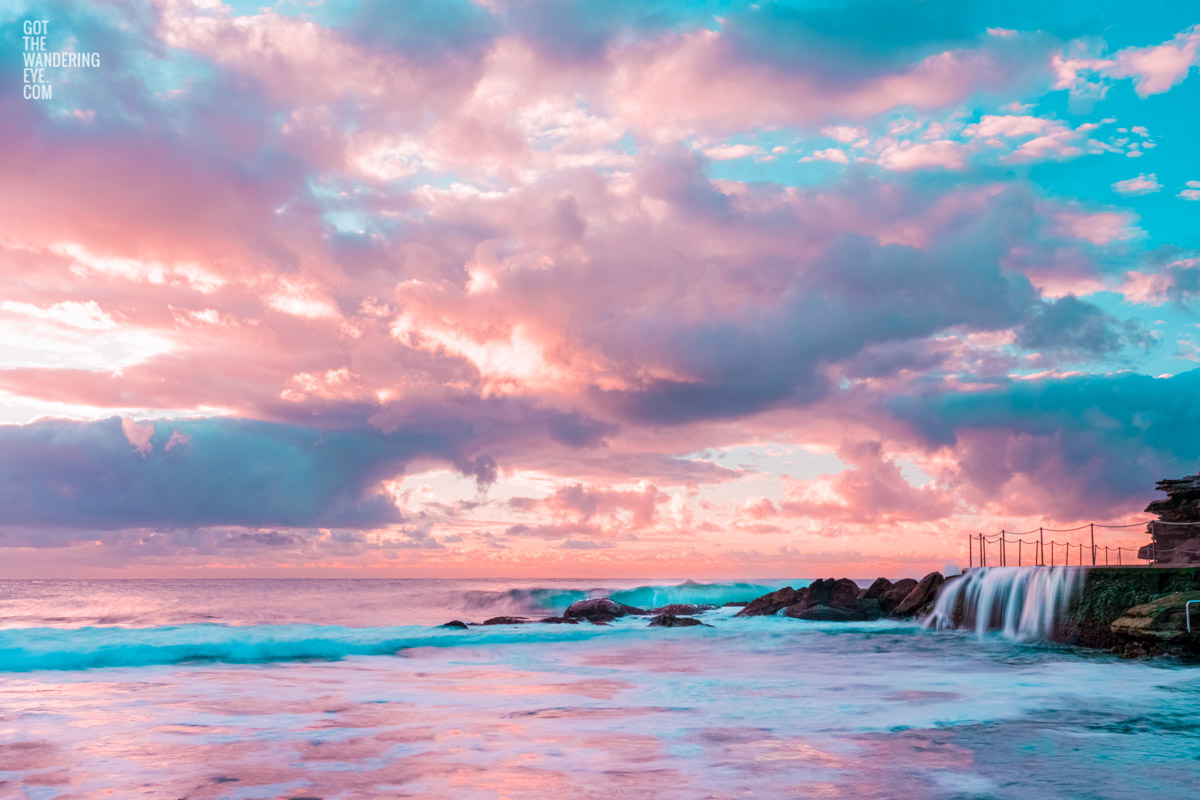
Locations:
(979, 547)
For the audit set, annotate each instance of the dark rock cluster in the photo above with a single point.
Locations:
(599, 609)
(830, 600)
(826, 600)
(672, 621)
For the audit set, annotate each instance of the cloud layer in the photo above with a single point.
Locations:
(519, 287)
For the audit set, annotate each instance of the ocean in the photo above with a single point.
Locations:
(347, 689)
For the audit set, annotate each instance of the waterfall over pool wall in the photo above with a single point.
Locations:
(1022, 602)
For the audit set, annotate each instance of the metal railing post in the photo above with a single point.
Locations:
(1092, 527)
(1042, 546)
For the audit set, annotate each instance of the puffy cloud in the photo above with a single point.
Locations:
(1077, 328)
(285, 265)
(1099, 227)
(873, 491)
(828, 154)
(1154, 70)
(1076, 447)
(1142, 184)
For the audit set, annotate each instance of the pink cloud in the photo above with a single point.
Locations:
(697, 80)
(1142, 184)
(1009, 125)
(907, 156)
(1101, 227)
(728, 152)
(178, 439)
(872, 491)
(138, 434)
(1154, 69)
(1157, 69)
(828, 154)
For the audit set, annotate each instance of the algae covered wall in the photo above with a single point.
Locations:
(1109, 591)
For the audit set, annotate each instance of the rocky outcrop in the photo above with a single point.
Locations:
(892, 597)
(1109, 594)
(921, 597)
(823, 613)
(599, 609)
(685, 609)
(672, 621)
(769, 604)
(828, 600)
(1163, 619)
(505, 621)
(455, 624)
(559, 621)
(879, 588)
(1175, 537)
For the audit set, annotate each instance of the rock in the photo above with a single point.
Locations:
(675, 609)
(870, 608)
(736, 604)
(769, 603)
(844, 594)
(892, 597)
(599, 608)
(672, 621)
(824, 613)
(1163, 619)
(1175, 535)
(455, 624)
(559, 621)
(879, 588)
(922, 594)
(505, 621)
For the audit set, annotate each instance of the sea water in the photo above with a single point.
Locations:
(344, 689)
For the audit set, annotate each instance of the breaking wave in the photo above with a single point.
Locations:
(555, 601)
(27, 649)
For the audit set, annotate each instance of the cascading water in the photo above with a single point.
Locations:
(1022, 602)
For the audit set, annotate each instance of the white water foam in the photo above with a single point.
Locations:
(1023, 603)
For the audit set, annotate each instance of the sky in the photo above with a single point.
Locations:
(593, 287)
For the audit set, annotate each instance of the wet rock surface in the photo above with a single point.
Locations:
(455, 624)
(824, 613)
(770, 603)
(841, 600)
(1163, 619)
(921, 598)
(890, 598)
(686, 609)
(672, 621)
(506, 621)
(879, 588)
(600, 608)
(829, 600)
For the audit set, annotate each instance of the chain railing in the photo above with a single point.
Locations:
(1044, 553)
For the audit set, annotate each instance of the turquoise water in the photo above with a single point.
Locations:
(352, 705)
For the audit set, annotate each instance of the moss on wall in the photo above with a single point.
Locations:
(1109, 591)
